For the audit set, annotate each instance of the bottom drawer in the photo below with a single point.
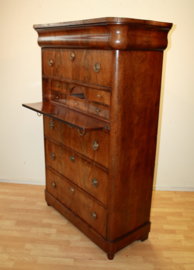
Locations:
(77, 201)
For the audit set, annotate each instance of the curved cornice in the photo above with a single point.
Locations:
(128, 34)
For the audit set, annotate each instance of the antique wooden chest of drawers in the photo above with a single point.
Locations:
(101, 83)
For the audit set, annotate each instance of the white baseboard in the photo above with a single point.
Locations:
(24, 181)
(162, 188)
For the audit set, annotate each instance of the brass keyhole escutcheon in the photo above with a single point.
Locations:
(53, 185)
(96, 67)
(93, 215)
(95, 145)
(52, 156)
(95, 182)
(51, 124)
(72, 55)
(51, 62)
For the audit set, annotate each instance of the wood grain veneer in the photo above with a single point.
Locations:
(101, 95)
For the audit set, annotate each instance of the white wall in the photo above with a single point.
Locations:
(21, 137)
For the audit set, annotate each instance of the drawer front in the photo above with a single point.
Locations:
(70, 137)
(59, 86)
(57, 62)
(58, 96)
(99, 96)
(99, 110)
(78, 202)
(88, 177)
(77, 103)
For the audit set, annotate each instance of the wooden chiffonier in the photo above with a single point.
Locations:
(101, 82)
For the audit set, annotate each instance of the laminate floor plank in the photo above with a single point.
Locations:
(36, 237)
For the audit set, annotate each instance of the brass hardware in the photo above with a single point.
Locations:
(52, 156)
(95, 145)
(75, 103)
(72, 190)
(93, 215)
(97, 110)
(39, 114)
(57, 97)
(70, 126)
(51, 62)
(72, 55)
(53, 185)
(98, 95)
(95, 182)
(51, 124)
(58, 85)
(81, 133)
(72, 158)
(96, 67)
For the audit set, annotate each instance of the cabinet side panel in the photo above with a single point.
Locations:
(134, 120)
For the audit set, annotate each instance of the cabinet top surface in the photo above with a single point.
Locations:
(104, 21)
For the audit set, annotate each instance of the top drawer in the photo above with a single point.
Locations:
(81, 65)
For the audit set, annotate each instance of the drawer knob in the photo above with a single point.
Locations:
(51, 62)
(53, 185)
(75, 103)
(96, 67)
(72, 190)
(99, 96)
(97, 110)
(81, 132)
(51, 124)
(72, 55)
(57, 97)
(95, 182)
(93, 215)
(52, 156)
(58, 85)
(95, 145)
(72, 158)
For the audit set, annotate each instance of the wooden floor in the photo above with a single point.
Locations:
(35, 236)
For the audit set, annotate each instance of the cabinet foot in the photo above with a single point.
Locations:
(110, 256)
(144, 237)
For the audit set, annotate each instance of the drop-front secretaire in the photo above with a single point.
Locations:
(101, 83)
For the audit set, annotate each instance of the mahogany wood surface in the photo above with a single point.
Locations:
(67, 116)
(134, 119)
(79, 203)
(81, 68)
(80, 171)
(70, 137)
(102, 76)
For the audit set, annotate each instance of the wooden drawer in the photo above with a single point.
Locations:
(58, 96)
(99, 96)
(99, 109)
(76, 200)
(82, 144)
(77, 103)
(78, 170)
(59, 86)
(57, 62)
